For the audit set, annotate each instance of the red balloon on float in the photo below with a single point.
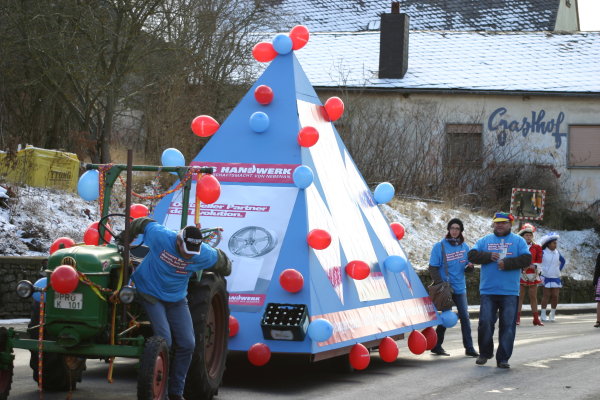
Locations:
(299, 35)
(91, 235)
(334, 107)
(358, 270)
(388, 349)
(318, 239)
(398, 230)
(64, 279)
(209, 189)
(138, 211)
(417, 342)
(359, 356)
(263, 94)
(291, 280)
(61, 243)
(259, 354)
(308, 136)
(234, 326)
(431, 337)
(264, 52)
(204, 125)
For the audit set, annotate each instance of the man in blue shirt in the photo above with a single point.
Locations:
(501, 254)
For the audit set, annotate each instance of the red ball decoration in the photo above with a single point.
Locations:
(417, 342)
(234, 326)
(208, 189)
(264, 52)
(138, 211)
(431, 337)
(61, 243)
(334, 107)
(299, 35)
(318, 239)
(359, 356)
(388, 349)
(263, 94)
(358, 270)
(291, 280)
(398, 230)
(91, 235)
(259, 354)
(204, 126)
(64, 279)
(308, 136)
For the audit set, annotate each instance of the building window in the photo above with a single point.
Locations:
(584, 146)
(463, 145)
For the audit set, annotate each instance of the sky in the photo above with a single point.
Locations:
(589, 15)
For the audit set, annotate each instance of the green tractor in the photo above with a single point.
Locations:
(100, 319)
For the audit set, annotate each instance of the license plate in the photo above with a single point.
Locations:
(70, 301)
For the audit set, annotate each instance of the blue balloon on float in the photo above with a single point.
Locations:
(259, 121)
(449, 318)
(394, 263)
(282, 43)
(303, 176)
(172, 158)
(320, 330)
(87, 187)
(40, 284)
(384, 192)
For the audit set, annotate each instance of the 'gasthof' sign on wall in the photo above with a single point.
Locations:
(537, 124)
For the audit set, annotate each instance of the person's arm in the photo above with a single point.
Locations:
(136, 227)
(522, 261)
(223, 264)
(597, 270)
(434, 273)
(480, 257)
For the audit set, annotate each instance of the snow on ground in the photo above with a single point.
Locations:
(35, 217)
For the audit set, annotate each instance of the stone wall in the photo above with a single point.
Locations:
(13, 270)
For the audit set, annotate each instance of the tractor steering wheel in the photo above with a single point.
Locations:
(104, 224)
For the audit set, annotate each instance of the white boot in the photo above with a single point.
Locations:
(543, 314)
(552, 314)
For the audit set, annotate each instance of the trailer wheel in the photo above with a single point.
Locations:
(154, 370)
(208, 302)
(6, 371)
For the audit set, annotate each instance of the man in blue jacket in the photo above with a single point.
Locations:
(501, 254)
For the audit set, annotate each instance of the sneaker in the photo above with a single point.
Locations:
(471, 353)
(502, 364)
(439, 352)
(597, 325)
(481, 360)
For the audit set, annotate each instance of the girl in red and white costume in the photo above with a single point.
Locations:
(530, 276)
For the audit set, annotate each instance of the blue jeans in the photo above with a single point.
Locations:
(492, 307)
(174, 318)
(465, 324)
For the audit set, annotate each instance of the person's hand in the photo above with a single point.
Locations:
(501, 265)
(469, 268)
(495, 256)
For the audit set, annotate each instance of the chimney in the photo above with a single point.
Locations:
(393, 44)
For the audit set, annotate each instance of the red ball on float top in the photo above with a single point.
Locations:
(417, 342)
(204, 125)
(259, 354)
(263, 94)
(431, 337)
(291, 280)
(61, 243)
(398, 230)
(359, 357)
(91, 235)
(234, 326)
(318, 239)
(358, 270)
(299, 35)
(64, 279)
(264, 52)
(308, 136)
(138, 211)
(209, 189)
(388, 349)
(334, 107)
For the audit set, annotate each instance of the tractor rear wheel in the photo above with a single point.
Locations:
(154, 370)
(6, 371)
(208, 302)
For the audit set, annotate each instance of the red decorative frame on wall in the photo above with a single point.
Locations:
(527, 204)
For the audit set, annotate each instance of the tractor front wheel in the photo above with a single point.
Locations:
(154, 370)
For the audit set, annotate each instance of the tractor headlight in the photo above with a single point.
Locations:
(126, 294)
(24, 289)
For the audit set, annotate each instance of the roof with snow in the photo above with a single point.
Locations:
(471, 61)
(458, 15)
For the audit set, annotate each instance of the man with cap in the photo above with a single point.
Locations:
(161, 281)
(448, 262)
(501, 254)
(530, 276)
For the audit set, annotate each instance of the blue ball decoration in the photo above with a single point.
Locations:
(449, 318)
(303, 176)
(172, 158)
(40, 283)
(259, 122)
(320, 330)
(384, 192)
(282, 44)
(394, 263)
(87, 187)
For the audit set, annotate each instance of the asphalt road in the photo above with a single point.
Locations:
(557, 361)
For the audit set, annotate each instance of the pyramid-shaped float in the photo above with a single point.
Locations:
(266, 219)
